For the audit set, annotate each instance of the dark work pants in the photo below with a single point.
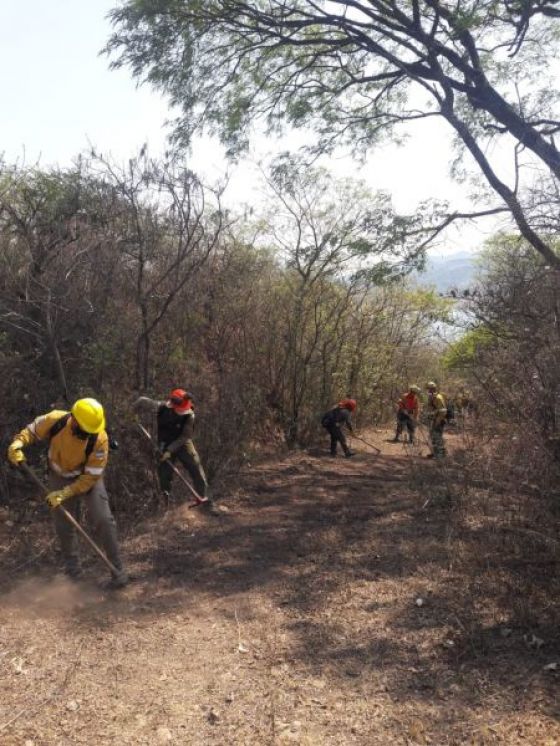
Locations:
(337, 436)
(190, 459)
(436, 437)
(404, 419)
(100, 516)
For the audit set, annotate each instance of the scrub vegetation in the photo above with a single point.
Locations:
(376, 599)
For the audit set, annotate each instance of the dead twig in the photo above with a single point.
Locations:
(240, 646)
(530, 532)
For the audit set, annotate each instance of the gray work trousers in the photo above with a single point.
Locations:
(100, 517)
(436, 437)
(190, 459)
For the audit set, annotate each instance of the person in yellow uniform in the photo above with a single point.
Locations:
(436, 409)
(78, 452)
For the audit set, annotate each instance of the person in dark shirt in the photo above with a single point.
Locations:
(333, 421)
(175, 429)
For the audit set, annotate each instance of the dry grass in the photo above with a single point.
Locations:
(295, 618)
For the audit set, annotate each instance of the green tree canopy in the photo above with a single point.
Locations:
(354, 70)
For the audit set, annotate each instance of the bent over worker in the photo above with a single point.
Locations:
(408, 408)
(175, 429)
(333, 421)
(77, 457)
(437, 415)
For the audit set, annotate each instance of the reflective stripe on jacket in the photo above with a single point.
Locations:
(67, 453)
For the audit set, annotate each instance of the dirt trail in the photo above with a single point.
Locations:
(326, 607)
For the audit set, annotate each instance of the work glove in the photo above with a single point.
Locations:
(15, 453)
(56, 498)
(165, 456)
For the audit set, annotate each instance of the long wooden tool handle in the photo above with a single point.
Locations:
(70, 518)
(97, 549)
(175, 469)
(370, 445)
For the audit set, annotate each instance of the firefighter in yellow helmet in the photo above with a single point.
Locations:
(78, 452)
(436, 409)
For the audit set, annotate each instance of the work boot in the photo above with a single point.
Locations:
(72, 570)
(395, 439)
(208, 507)
(430, 455)
(349, 454)
(118, 581)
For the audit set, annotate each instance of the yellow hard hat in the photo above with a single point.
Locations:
(414, 388)
(89, 415)
(431, 385)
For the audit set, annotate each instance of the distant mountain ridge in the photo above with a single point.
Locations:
(444, 273)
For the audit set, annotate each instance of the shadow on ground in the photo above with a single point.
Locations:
(364, 559)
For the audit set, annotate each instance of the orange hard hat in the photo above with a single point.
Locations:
(180, 401)
(349, 404)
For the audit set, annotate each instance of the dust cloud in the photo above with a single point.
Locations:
(44, 597)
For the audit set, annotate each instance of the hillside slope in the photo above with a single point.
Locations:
(332, 604)
(449, 272)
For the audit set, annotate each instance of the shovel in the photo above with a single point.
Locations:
(70, 518)
(198, 499)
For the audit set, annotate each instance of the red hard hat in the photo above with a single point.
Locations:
(348, 404)
(180, 401)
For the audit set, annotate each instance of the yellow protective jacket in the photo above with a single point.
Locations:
(67, 453)
(437, 407)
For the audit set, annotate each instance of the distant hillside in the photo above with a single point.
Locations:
(454, 271)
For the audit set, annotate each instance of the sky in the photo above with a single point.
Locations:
(59, 97)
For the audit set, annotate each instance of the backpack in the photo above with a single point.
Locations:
(60, 423)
